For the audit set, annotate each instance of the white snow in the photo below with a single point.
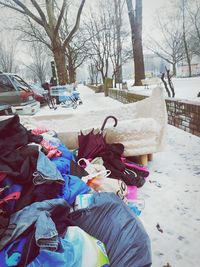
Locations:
(185, 88)
(171, 193)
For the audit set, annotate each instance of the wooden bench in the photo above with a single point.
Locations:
(151, 81)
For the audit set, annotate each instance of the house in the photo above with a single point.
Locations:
(183, 70)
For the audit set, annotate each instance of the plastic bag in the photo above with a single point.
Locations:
(93, 252)
(76, 249)
(99, 181)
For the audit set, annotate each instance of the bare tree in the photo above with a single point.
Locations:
(118, 5)
(165, 84)
(135, 18)
(120, 46)
(194, 13)
(171, 91)
(185, 41)
(50, 22)
(76, 54)
(8, 56)
(76, 49)
(170, 46)
(106, 35)
(93, 73)
(40, 66)
(99, 33)
(181, 7)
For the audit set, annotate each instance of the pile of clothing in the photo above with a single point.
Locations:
(66, 208)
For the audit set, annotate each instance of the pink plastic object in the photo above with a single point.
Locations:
(132, 192)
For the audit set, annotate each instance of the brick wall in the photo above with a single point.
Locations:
(183, 114)
(96, 89)
(124, 96)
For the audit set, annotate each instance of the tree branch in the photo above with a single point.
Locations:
(12, 7)
(75, 28)
(60, 16)
(29, 13)
(39, 10)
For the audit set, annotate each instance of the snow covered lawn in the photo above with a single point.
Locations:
(185, 88)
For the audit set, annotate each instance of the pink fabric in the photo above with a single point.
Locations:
(141, 168)
(132, 192)
(52, 150)
(39, 130)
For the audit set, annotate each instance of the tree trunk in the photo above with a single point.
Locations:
(96, 79)
(60, 62)
(185, 43)
(174, 69)
(170, 82)
(72, 74)
(187, 55)
(136, 31)
(118, 23)
(138, 62)
(103, 76)
(106, 68)
(115, 79)
(165, 84)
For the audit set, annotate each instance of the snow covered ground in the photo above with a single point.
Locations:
(171, 193)
(172, 199)
(185, 88)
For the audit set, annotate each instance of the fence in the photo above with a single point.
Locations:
(183, 114)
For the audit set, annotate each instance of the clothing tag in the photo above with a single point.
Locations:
(83, 201)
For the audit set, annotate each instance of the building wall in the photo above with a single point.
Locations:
(181, 113)
(183, 69)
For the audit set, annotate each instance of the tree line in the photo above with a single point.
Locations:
(99, 37)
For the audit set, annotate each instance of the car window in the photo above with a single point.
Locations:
(20, 84)
(37, 89)
(5, 84)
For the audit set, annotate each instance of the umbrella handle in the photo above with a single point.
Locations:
(105, 121)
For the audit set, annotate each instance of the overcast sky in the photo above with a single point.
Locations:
(150, 8)
(149, 15)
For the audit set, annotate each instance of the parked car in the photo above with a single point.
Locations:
(6, 109)
(17, 93)
(39, 93)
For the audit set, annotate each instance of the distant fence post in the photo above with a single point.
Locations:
(108, 84)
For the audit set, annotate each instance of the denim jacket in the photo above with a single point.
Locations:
(37, 213)
(46, 171)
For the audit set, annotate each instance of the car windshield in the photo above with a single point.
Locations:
(21, 84)
(37, 88)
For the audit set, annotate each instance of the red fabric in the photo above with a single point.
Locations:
(2, 176)
(11, 196)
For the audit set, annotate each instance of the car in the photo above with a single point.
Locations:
(16, 92)
(39, 93)
(6, 109)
